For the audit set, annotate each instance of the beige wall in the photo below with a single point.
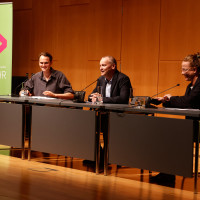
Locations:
(149, 38)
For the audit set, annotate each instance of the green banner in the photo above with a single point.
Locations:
(6, 24)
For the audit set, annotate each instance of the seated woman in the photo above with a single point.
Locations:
(191, 99)
(191, 72)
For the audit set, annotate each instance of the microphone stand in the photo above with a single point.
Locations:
(155, 101)
(21, 84)
(166, 90)
(89, 85)
(80, 95)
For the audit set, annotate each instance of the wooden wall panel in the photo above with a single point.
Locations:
(149, 39)
(45, 27)
(22, 4)
(92, 73)
(22, 42)
(104, 29)
(180, 29)
(73, 34)
(170, 75)
(140, 44)
(73, 2)
(180, 32)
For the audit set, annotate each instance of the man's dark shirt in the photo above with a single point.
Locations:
(120, 88)
(57, 83)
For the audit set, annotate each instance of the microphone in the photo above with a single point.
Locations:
(21, 85)
(80, 95)
(155, 101)
(166, 89)
(17, 80)
(89, 85)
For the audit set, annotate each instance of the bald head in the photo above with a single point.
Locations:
(108, 65)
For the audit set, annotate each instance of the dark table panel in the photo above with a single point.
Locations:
(11, 124)
(153, 143)
(64, 131)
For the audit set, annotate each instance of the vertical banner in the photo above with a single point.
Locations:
(6, 24)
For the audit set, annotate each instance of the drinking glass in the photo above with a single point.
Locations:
(24, 93)
(99, 99)
(131, 97)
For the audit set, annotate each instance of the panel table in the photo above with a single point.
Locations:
(63, 131)
(11, 124)
(136, 138)
(154, 143)
(66, 129)
(12, 118)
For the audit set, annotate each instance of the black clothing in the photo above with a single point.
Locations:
(120, 88)
(191, 99)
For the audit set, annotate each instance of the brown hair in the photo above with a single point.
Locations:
(46, 54)
(194, 60)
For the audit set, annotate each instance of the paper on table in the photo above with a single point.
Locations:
(40, 97)
(182, 109)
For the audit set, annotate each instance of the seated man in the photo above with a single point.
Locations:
(115, 89)
(48, 82)
(115, 85)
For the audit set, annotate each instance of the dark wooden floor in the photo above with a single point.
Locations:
(54, 177)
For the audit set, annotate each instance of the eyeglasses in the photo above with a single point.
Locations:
(186, 70)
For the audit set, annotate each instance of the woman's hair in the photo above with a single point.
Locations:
(194, 60)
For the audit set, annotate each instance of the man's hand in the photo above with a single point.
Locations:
(94, 97)
(24, 93)
(49, 93)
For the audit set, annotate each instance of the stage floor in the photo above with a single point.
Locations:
(54, 177)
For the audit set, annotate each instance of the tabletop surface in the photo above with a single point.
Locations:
(105, 107)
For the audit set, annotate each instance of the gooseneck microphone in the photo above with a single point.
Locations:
(80, 95)
(21, 85)
(155, 101)
(89, 85)
(166, 90)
